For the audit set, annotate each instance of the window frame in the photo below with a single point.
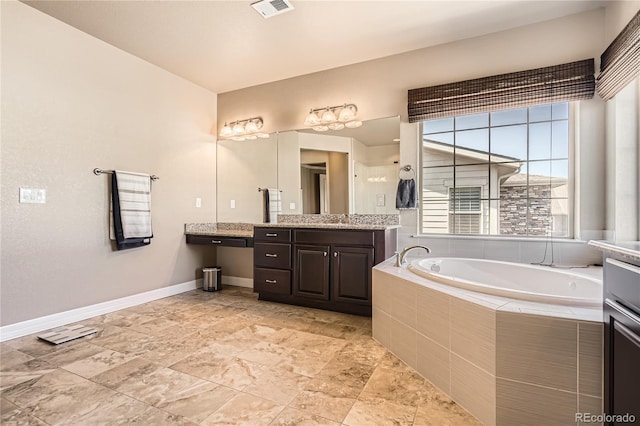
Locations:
(572, 197)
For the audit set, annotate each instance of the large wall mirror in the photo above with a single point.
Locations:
(345, 171)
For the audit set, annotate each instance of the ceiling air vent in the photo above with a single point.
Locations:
(269, 8)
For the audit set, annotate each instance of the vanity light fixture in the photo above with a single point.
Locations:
(333, 118)
(240, 130)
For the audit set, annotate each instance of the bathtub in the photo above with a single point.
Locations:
(510, 343)
(513, 280)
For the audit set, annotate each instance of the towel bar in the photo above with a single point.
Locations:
(98, 171)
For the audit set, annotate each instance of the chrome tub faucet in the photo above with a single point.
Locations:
(400, 256)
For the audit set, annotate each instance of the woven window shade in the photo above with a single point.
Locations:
(620, 63)
(559, 83)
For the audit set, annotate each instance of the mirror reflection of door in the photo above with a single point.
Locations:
(313, 201)
(324, 182)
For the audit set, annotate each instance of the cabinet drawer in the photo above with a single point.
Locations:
(323, 236)
(272, 281)
(269, 255)
(213, 240)
(272, 234)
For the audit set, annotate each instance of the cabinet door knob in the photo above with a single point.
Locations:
(324, 253)
(271, 281)
(270, 255)
(335, 254)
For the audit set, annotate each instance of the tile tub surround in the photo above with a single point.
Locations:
(203, 358)
(505, 362)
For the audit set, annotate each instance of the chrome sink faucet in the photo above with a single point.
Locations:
(400, 256)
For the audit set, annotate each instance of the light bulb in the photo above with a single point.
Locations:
(353, 124)
(251, 127)
(262, 135)
(336, 126)
(320, 128)
(226, 131)
(312, 119)
(251, 137)
(328, 116)
(238, 128)
(347, 113)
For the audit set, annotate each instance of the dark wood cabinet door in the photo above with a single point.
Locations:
(351, 281)
(311, 266)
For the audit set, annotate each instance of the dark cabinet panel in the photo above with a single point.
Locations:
(352, 274)
(323, 236)
(275, 281)
(319, 268)
(621, 339)
(269, 255)
(214, 240)
(311, 270)
(272, 234)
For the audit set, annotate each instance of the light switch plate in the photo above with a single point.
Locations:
(380, 200)
(33, 196)
(233, 204)
(198, 202)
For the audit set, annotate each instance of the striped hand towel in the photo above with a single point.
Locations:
(131, 209)
(275, 204)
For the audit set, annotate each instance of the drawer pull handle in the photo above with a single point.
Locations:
(335, 254)
(216, 242)
(324, 253)
(270, 255)
(271, 281)
(271, 235)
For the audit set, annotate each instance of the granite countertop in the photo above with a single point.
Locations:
(222, 232)
(353, 226)
(629, 249)
(329, 221)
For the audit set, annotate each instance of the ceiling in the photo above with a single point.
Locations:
(226, 45)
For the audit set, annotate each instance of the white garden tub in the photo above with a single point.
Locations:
(514, 280)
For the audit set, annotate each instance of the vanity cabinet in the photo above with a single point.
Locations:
(311, 279)
(328, 268)
(272, 261)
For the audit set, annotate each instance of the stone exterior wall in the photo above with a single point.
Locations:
(513, 210)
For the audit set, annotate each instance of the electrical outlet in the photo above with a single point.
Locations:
(198, 202)
(33, 196)
(292, 206)
(232, 204)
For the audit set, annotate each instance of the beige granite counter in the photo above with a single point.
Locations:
(630, 249)
(309, 221)
(345, 226)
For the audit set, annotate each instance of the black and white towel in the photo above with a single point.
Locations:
(272, 205)
(130, 218)
(406, 196)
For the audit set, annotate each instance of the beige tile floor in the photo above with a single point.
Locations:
(220, 358)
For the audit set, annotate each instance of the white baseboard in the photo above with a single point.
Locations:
(35, 325)
(237, 281)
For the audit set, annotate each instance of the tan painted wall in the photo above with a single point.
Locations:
(379, 87)
(71, 103)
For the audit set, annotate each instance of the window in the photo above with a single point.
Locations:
(497, 173)
(464, 210)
